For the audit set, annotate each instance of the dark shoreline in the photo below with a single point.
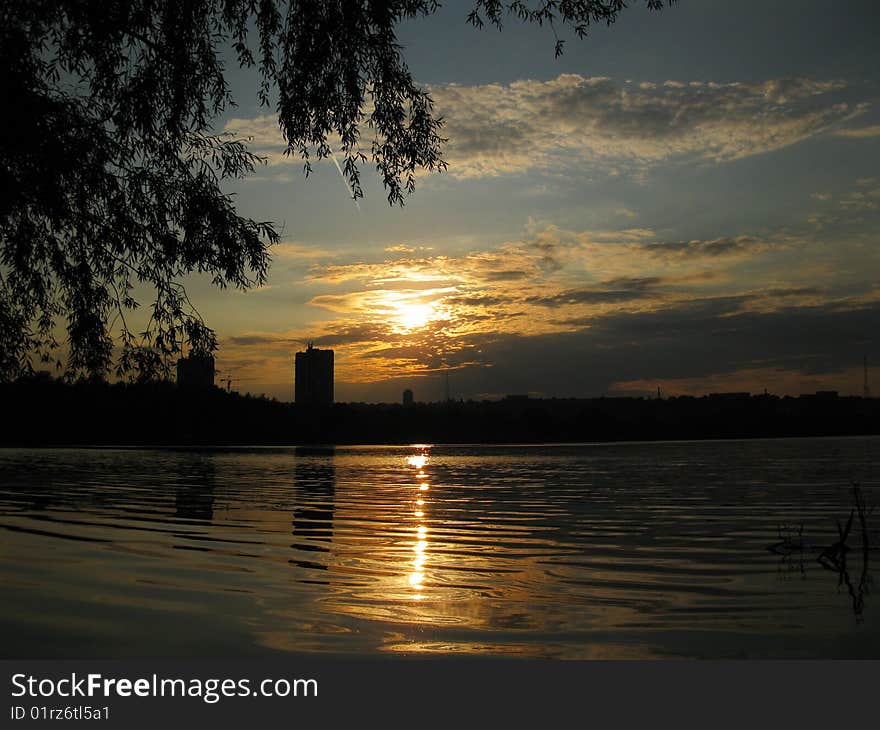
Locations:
(49, 413)
(328, 448)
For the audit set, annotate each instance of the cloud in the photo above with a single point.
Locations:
(505, 263)
(299, 251)
(499, 129)
(527, 125)
(691, 347)
(859, 132)
(864, 196)
(862, 200)
(616, 290)
(259, 339)
(348, 334)
(413, 313)
(713, 248)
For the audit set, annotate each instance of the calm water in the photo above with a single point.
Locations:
(622, 550)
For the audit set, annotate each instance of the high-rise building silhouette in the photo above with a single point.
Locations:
(313, 377)
(407, 397)
(196, 371)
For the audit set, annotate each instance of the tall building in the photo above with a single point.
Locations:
(196, 371)
(407, 397)
(313, 376)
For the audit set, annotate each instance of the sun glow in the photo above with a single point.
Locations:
(410, 311)
(414, 316)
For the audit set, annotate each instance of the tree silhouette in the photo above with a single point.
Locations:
(114, 176)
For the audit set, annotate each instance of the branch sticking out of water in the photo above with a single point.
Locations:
(834, 556)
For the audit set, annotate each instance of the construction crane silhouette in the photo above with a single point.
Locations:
(229, 381)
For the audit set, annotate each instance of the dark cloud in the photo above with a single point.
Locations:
(615, 290)
(427, 356)
(478, 138)
(260, 340)
(710, 248)
(365, 332)
(696, 339)
(513, 275)
(631, 282)
(479, 301)
(797, 291)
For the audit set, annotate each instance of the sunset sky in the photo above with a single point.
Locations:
(687, 199)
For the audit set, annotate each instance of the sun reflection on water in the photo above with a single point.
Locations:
(416, 577)
(418, 461)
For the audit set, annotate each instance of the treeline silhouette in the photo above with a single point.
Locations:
(44, 411)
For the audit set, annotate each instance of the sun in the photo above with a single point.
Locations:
(410, 311)
(411, 316)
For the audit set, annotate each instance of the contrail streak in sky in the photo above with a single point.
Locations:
(344, 180)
